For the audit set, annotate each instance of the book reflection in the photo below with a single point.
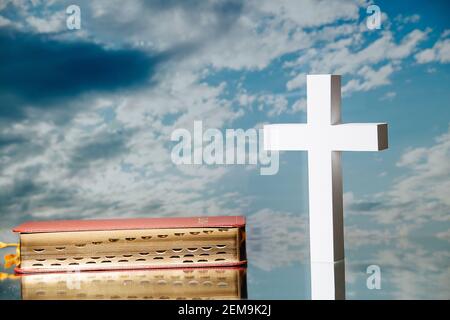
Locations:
(200, 283)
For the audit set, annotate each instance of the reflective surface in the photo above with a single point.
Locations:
(410, 268)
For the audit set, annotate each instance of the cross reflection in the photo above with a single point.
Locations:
(328, 280)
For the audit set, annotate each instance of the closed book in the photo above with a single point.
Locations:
(71, 245)
(151, 284)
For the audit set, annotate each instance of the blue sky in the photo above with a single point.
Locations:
(86, 115)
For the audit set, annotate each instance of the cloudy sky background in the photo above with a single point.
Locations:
(86, 117)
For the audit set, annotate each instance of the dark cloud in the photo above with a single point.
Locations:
(105, 146)
(10, 140)
(15, 200)
(36, 70)
(24, 199)
(365, 206)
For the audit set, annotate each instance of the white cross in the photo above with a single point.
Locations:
(324, 137)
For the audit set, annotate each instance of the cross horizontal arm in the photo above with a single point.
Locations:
(285, 137)
(339, 137)
(359, 137)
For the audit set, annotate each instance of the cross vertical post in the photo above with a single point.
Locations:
(324, 171)
(324, 137)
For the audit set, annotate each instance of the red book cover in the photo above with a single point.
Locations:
(137, 243)
(130, 224)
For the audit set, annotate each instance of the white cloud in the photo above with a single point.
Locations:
(370, 79)
(388, 96)
(299, 105)
(297, 82)
(271, 104)
(440, 52)
(413, 157)
(310, 13)
(246, 100)
(417, 198)
(276, 239)
(421, 273)
(50, 23)
(368, 65)
(274, 104)
(445, 235)
(4, 22)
